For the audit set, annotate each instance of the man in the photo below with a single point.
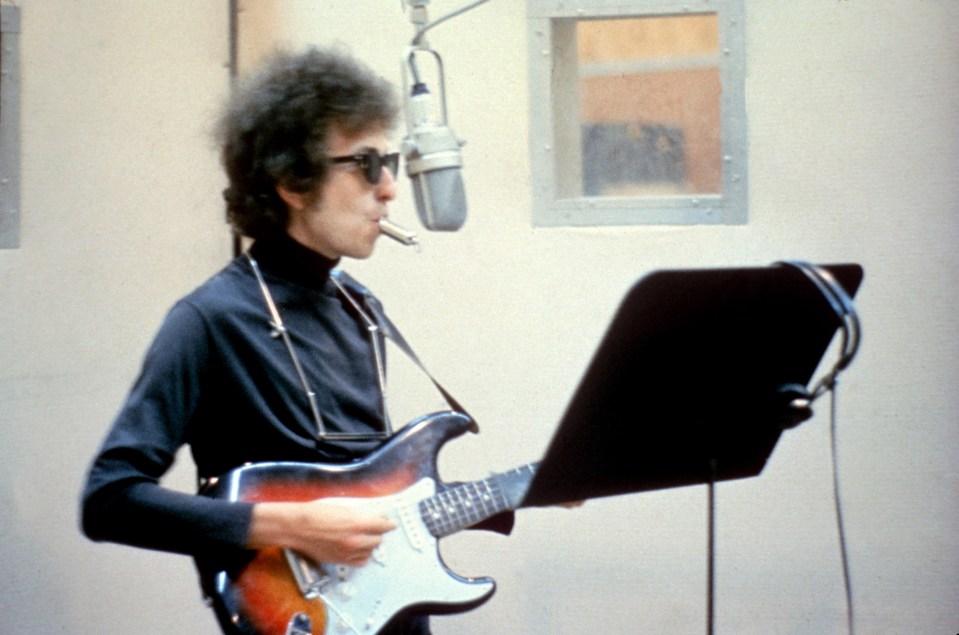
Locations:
(271, 359)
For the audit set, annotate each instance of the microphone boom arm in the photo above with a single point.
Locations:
(419, 18)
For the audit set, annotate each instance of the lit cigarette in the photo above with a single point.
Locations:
(397, 233)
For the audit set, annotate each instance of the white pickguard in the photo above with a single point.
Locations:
(406, 569)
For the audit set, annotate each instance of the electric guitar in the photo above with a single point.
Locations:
(281, 593)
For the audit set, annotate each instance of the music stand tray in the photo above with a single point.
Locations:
(685, 386)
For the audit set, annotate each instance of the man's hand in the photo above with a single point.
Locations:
(320, 531)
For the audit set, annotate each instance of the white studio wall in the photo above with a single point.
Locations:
(853, 155)
(121, 214)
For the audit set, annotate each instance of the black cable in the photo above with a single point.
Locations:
(850, 329)
(845, 310)
(840, 523)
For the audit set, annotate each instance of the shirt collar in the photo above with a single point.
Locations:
(282, 256)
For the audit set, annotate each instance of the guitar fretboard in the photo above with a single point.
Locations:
(466, 504)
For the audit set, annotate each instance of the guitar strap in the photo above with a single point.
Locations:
(378, 325)
(390, 331)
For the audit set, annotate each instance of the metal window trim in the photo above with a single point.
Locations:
(9, 127)
(546, 62)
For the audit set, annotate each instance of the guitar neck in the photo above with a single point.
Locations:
(463, 505)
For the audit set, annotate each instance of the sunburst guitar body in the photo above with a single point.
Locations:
(281, 593)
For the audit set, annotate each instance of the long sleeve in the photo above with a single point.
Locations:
(123, 500)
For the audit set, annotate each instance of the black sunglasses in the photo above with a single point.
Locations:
(372, 164)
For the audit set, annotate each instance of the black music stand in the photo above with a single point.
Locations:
(691, 383)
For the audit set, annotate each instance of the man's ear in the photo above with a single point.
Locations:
(293, 200)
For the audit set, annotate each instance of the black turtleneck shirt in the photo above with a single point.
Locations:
(217, 379)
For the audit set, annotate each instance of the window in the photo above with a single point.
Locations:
(9, 127)
(638, 114)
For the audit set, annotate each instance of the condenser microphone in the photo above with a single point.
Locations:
(433, 161)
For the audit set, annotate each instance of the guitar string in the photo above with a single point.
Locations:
(456, 507)
(452, 509)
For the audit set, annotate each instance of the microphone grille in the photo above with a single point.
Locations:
(440, 199)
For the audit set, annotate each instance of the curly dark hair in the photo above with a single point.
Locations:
(275, 128)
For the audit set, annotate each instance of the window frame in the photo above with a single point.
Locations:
(547, 65)
(9, 127)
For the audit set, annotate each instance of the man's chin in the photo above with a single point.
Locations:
(361, 254)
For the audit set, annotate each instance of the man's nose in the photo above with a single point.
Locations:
(386, 186)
